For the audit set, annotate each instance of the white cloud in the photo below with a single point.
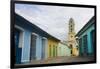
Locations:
(54, 19)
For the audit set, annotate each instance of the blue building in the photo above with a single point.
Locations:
(86, 38)
(30, 41)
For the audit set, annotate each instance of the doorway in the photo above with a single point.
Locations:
(18, 48)
(43, 48)
(33, 47)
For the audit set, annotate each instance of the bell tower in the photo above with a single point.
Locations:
(71, 25)
(71, 32)
(71, 37)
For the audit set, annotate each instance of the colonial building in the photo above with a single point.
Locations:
(86, 38)
(52, 47)
(31, 42)
(63, 49)
(72, 43)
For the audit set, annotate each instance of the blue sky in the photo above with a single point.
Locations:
(54, 19)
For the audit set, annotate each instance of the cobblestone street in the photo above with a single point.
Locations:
(68, 59)
(60, 60)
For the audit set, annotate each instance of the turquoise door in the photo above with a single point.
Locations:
(18, 50)
(85, 45)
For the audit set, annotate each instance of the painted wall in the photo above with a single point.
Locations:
(26, 42)
(63, 50)
(41, 40)
(26, 47)
(52, 47)
(87, 32)
(40, 48)
(28, 30)
(75, 52)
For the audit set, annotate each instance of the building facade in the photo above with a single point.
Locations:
(30, 41)
(72, 43)
(86, 38)
(63, 49)
(52, 47)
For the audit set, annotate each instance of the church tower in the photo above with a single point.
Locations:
(71, 38)
(71, 32)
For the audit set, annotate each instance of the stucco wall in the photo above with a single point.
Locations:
(87, 32)
(63, 50)
(53, 43)
(26, 42)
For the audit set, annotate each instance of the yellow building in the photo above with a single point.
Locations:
(72, 43)
(52, 47)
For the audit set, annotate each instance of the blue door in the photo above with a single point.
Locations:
(18, 50)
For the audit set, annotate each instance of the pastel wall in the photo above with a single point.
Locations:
(52, 47)
(63, 50)
(87, 32)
